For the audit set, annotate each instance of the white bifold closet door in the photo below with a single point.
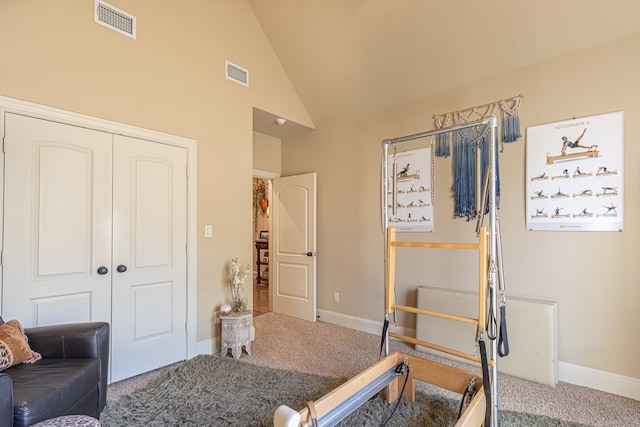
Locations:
(95, 230)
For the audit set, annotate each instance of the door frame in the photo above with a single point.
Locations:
(75, 119)
(266, 175)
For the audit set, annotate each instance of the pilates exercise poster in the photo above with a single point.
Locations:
(574, 176)
(414, 195)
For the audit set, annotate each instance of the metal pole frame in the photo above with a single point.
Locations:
(492, 122)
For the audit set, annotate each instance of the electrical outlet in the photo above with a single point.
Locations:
(336, 297)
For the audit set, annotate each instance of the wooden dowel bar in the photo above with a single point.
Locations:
(432, 245)
(447, 316)
(437, 347)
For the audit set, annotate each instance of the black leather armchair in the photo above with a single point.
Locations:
(6, 400)
(71, 377)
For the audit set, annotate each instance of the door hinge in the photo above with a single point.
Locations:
(3, 147)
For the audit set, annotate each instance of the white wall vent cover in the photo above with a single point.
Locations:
(114, 18)
(237, 73)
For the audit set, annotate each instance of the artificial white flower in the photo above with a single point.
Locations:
(237, 277)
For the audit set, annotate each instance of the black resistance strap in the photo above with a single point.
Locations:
(385, 326)
(401, 369)
(485, 382)
(491, 325)
(503, 341)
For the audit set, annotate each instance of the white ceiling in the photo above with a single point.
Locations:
(352, 57)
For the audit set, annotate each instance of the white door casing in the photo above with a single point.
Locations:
(293, 244)
(76, 303)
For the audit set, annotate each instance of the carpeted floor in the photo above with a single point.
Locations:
(333, 351)
(211, 390)
(215, 391)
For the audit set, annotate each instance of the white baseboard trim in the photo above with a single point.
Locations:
(573, 374)
(207, 346)
(358, 323)
(352, 322)
(599, 380)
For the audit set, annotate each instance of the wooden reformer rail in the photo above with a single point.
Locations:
(483, 266)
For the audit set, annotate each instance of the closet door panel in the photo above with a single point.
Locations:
(63, 210)
(149, 298)
(152, 210)
(57, 229)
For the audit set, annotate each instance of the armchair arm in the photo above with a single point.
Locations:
(6, 400)
(71, 340)
(75, 340)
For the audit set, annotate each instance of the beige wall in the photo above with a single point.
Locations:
(170, 79)
(267, 153)
(593, 275)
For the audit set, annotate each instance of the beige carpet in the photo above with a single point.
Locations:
(325, 349)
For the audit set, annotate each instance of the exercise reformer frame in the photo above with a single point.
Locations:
(387, 373)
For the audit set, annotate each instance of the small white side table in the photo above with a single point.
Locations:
(236, 333)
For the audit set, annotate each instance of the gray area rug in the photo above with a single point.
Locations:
(218, 391)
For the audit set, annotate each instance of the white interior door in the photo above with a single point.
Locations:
(293, 246)
(149, 256)
(57, 223)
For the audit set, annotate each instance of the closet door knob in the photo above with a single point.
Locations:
(309, 253)
(103, 270)
(121, 268)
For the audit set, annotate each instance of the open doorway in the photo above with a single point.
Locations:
(261, 231)
(266, 167)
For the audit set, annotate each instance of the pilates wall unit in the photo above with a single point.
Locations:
(489, 260)
(336, 405)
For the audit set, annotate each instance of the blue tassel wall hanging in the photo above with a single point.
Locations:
(511, 120)
(510, 127)
(465, 145)
(443, 140)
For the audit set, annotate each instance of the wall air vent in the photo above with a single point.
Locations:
(237, 73)
(114, 18)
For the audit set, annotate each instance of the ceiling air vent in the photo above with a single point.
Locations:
(237, 73)
(114, 18)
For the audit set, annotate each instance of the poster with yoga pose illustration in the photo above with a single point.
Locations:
(574, 175)
(410, 192)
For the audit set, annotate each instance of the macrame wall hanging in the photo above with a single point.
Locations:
(466, 142)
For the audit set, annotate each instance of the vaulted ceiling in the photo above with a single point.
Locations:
(351, 57)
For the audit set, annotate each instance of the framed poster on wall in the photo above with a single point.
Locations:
(410, 207)
(574, 175)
